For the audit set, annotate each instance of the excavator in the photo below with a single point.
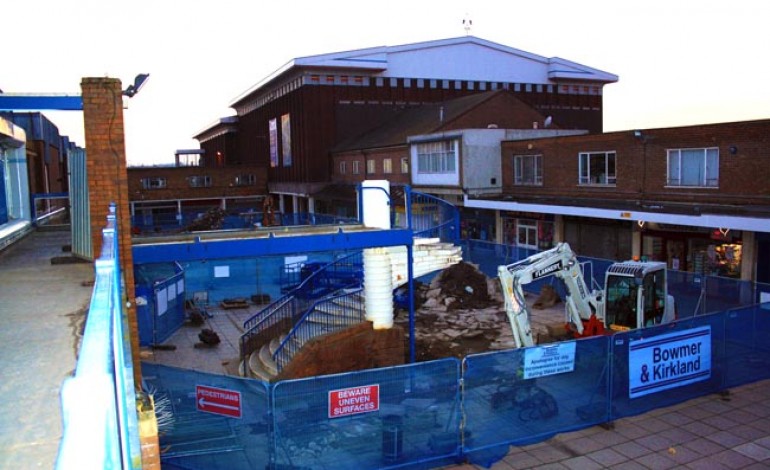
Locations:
(635, 294)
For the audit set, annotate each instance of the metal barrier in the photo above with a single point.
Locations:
(433, 413)
(173, 222)
(99, 402)
(431, 217)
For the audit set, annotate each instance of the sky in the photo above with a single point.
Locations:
(680, 62)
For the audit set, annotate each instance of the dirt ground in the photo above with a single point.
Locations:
(462, 312)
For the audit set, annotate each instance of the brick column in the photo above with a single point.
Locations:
(108, 182)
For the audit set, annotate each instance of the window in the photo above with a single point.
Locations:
(245, 180)
(404, 166)
(343, 167)
(387, 165)
(371, 167)
(526, 233)
(693, 167)
(527, 170)
(597, 168)
(199, 181)
(153, 183)
(356, 169)
(437, 157)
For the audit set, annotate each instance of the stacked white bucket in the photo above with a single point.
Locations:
(386, 268)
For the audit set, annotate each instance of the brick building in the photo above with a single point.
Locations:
(447, 149)
(169, 197)
(696, 197)
(291, 121)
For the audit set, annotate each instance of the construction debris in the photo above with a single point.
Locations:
(208, 337)
(212, 219)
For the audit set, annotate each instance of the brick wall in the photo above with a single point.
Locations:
(395, 155)
(744, 154)
(108, 181)
(178, 183)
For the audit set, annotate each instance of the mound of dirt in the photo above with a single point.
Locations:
(465, 285)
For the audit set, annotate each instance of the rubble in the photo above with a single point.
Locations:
(462, 312)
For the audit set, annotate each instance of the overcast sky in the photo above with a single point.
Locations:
(680, 62)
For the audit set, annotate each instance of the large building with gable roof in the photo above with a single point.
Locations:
(290, 121)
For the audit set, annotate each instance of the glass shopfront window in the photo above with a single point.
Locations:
(716, 252)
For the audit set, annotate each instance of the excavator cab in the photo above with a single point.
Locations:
(636, 295)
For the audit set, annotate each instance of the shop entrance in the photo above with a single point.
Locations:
(711, 253)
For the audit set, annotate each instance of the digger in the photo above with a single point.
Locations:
(635, 294)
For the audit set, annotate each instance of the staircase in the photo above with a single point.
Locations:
(274, 335)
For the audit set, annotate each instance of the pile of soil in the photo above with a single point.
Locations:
(466, 285)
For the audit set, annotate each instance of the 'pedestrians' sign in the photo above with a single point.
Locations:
(355, 400)
(669, 361)
(219, 401)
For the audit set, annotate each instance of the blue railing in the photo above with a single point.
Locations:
(326, 316)
(432, 217)
(171, 222)
(99, 402)
(283, 314)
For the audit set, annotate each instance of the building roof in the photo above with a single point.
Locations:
(462, 58)
(429, 118)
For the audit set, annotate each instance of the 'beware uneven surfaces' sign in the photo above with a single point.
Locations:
(355, 400)
(669, 361)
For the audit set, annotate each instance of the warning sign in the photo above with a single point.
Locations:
(352, 401)
(219, 401)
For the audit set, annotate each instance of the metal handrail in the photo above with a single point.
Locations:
(287, 307)
(317, 321)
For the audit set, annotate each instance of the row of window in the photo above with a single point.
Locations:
(197, 181)
(371, 166)
(686, 167)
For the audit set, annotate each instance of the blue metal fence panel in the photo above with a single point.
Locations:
(507, 401)
(747, 349)
(339, 421)
(169, 297)
(665, 375)
(196, 439)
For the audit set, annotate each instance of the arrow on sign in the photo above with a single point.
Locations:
(203, 404)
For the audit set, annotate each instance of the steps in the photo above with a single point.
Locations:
(428, 255)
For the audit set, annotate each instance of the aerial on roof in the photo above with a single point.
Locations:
(462, 58)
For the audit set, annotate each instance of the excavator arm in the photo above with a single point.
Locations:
(560, 261)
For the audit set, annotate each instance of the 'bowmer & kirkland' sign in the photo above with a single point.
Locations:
(668, 361)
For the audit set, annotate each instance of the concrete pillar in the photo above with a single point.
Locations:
(748, 256)
(108, 182)
(558, 229)
(636, 243)
(498, 227)
(311, 205)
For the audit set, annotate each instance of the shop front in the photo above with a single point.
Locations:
(528, 230)
(698, 250)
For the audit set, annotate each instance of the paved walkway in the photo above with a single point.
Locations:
(42, 306)
(707, 433)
